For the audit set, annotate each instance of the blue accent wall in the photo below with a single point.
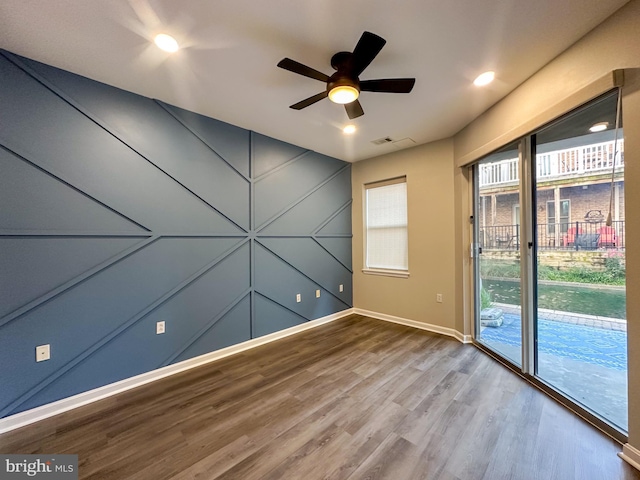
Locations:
(118, 211)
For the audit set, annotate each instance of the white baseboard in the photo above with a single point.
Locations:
(450, 332)
(49, 410)
(462, 338)
(631, 455)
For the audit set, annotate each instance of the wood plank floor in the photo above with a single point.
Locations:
(354, 399)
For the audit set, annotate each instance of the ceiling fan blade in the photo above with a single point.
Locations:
(300, 69)
(309, 101)
(354, 109)
(389, 85)
(366, 50)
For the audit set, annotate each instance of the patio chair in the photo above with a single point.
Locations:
(608, 237)
(504, 241)
(569, 238)
(587, 241)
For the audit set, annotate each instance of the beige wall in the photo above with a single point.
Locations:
(430, 193)
(464, 288)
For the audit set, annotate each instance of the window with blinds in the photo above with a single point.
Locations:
(386, 226)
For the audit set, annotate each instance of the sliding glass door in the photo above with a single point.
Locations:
(550, 285)
(498, 240)
(581, 318)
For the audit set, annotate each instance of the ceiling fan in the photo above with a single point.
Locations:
(344, 86)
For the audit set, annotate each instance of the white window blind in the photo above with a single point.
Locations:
(386, 225)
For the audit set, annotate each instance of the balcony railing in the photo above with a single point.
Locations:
(557, 236)
(571, 162)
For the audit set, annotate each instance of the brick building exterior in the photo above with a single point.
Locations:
(568, 202)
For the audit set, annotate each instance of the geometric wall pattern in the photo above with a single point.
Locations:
(118, 211)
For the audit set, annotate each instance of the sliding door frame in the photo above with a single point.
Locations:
(528, 297)
(528, 278)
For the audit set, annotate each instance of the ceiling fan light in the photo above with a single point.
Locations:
(343, 94)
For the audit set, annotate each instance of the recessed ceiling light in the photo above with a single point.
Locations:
(166, 42)
(484, 79)
(349, 129)
(599, 127)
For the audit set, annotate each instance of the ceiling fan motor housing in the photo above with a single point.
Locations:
(339, 79)
(343, 64)
(342, 61)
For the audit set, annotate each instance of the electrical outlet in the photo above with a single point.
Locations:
(341, 288)
(439, 297)
(43, 352)
(317, 293)
(160, 328)
(298, 298)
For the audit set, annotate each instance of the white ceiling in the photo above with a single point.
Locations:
(227, 66)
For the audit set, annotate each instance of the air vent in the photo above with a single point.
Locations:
(382, 141)
(404, 143)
